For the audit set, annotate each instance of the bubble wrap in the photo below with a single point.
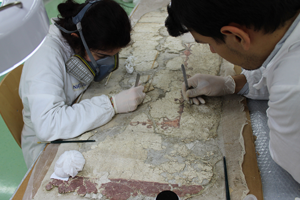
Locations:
(276, 182)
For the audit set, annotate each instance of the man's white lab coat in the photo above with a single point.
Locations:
(47, 92)
(279, 82)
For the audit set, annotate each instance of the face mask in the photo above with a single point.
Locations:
(105, 66)
(83, 70)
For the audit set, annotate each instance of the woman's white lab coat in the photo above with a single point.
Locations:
(280, 83)
(47, 92)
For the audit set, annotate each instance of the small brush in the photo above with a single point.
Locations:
(66, 141)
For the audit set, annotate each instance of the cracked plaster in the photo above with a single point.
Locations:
(201, 60)
(146, 36)
(174, 64)
(165, 140)
(173, 44)
(147, 27)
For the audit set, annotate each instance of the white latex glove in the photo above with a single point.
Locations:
(203, 84)
(128, 100)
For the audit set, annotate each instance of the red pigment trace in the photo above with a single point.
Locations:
(120, 189)
(187, 52)
(166, 123)
(81, 184)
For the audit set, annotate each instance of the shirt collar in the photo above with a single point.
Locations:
(281, 42)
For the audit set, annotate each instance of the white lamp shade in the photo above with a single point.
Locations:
(22, 30)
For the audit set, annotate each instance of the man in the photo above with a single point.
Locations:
(263, 37)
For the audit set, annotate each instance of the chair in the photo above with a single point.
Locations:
(10, 103)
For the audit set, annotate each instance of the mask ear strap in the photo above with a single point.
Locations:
(80, 15)
(77, 20)
(63, 29)
(79, 28)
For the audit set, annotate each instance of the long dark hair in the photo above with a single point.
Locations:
(105, 25)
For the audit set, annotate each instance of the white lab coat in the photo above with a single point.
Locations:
(280, 83)
(47, 92)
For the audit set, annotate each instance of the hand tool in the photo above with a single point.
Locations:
(108, 78)
(185, 81)
(226, 179)
(67, 141)
(137, 80)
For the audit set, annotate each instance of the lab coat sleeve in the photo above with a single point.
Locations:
(284, 117)
(51, 117)
(283, 121)
(253, 77)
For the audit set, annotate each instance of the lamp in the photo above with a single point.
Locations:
(23, 28)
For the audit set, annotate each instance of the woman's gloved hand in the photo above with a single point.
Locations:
(203, 84)
(128, 100)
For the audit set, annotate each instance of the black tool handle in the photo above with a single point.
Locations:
(226, 180)
(71, 141)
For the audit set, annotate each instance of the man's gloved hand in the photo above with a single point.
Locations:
(128, 100)
(208, 85)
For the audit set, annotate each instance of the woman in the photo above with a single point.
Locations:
(90, 34)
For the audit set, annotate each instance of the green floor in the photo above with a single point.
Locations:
(12, 164)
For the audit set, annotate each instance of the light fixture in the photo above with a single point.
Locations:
(23, 27)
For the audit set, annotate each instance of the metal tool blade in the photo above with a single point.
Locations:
(185, 80)
(137, 80)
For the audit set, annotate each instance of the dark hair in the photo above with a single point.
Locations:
(105, 25)
(207, 17)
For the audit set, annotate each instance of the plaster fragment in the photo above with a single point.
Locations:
(76, 182)
(125, 52)
(80, 184)
(57, 182)
(121, 189)
(174, 45)
(144, 56)
(164, 32)
(151, 19)
(173, 167)
(166, 108)
(148, 88)
(146, 36)
(146, 66)
(147, 27)
(183, 190)
(163, 80)
(147, 99)
(86, 136)
(90, 187)
(81, 191)
(141, 47)
(157, 13)
(162, 146)
(49, 186)
(174, 64)
(62, 188)
(190, 145)
(202, 61)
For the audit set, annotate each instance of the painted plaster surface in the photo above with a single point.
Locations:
(173, 45)
(165, 143)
